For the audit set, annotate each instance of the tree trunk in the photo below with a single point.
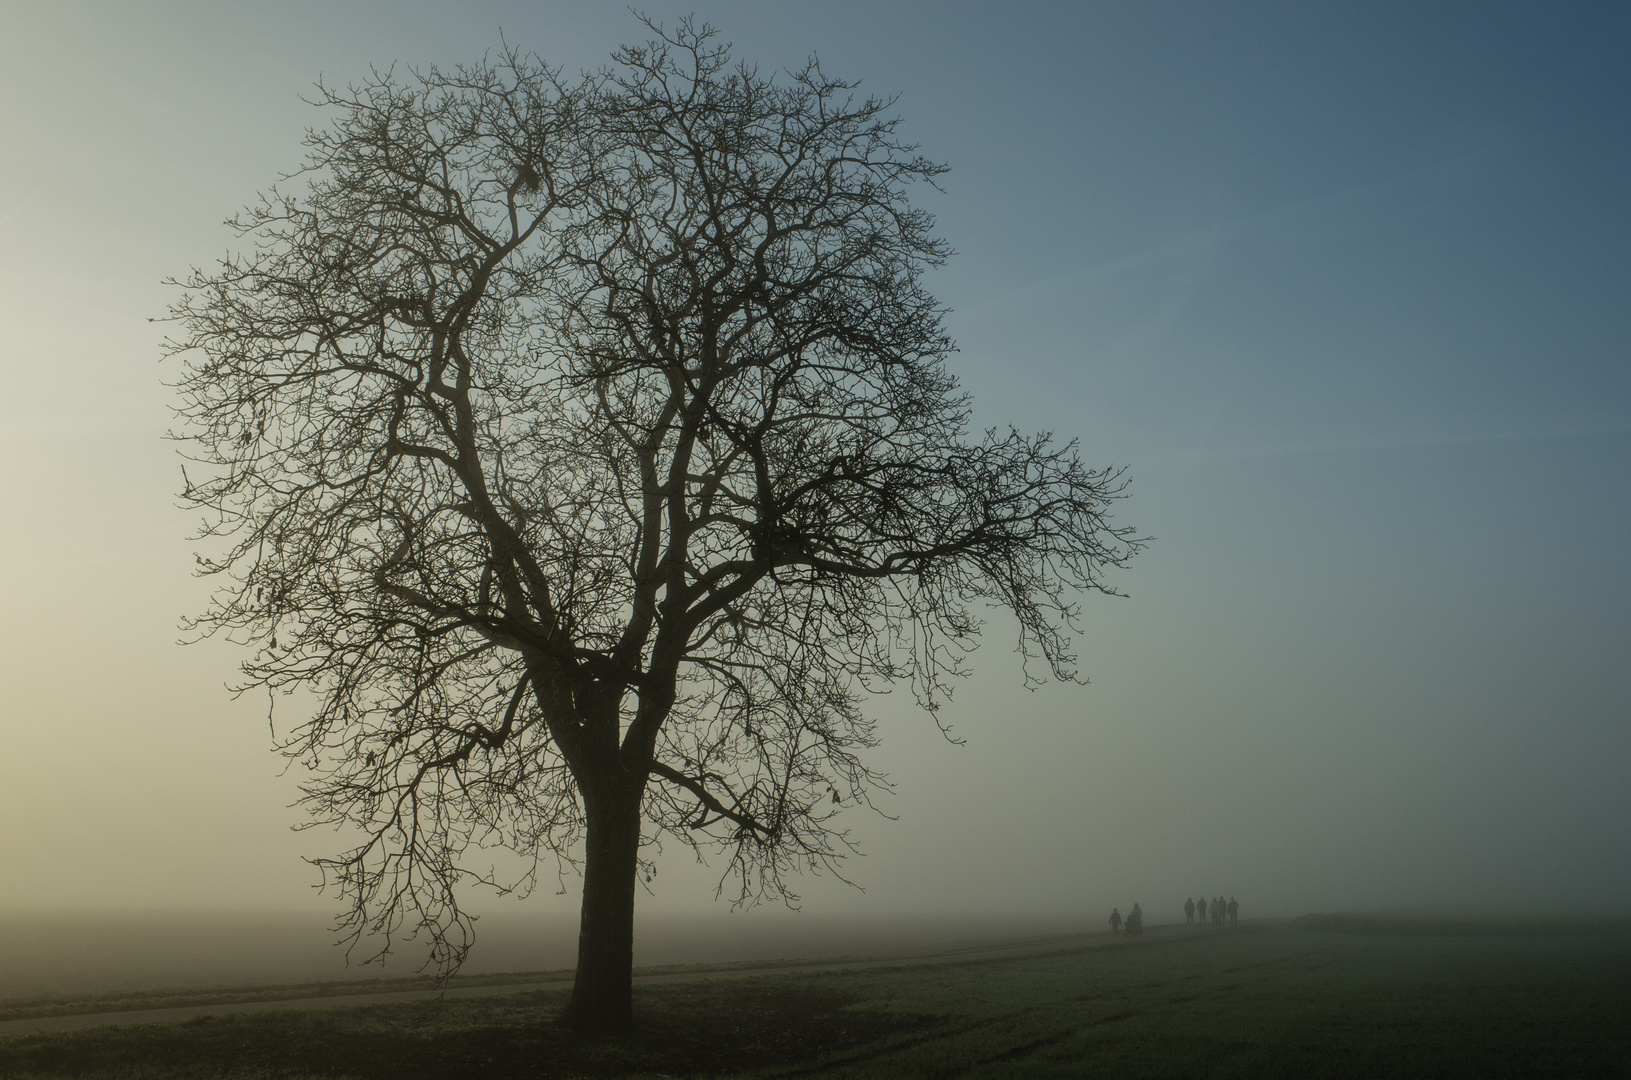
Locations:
(602, 988)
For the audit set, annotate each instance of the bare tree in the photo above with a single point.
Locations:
(587, 446)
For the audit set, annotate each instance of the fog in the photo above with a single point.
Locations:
(63, 954)
(1345, 290)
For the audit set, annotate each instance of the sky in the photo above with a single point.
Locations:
(1346, 286)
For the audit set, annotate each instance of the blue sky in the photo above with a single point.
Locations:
(1347, 286)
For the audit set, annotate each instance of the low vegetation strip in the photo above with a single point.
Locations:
(179, 1013)
(1285, 1001)
(164, 1006)
(172, 998)
(319, 994)
(1412, 924)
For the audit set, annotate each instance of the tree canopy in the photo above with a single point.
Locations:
(587, 446)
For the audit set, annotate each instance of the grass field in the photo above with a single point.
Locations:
(1357, 1000)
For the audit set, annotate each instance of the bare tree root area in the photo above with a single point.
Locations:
(1282, 1001)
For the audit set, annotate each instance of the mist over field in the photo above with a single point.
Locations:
(1344, 287)
(63, 954)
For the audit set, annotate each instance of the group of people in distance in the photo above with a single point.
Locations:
(1217, 911)
(1134, 920)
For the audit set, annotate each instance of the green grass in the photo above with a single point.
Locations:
(57, 1005)
(25, 1008)
(1279, 1001)
(687, 1029)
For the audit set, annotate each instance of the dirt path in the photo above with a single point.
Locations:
(189, 1012)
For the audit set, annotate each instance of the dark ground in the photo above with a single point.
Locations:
(1271, 1001)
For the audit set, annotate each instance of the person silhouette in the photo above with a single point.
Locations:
(1135, 920)
(1216, 908)
(1115, 921)
(1234, 911)
(1189, 909)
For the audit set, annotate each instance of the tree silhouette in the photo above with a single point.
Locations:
(587, 448)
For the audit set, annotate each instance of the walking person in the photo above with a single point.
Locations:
(1189, 910)
(1135, 921)
(1115, 921)
(1234, 911)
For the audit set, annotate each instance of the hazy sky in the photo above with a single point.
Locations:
(1347, 286)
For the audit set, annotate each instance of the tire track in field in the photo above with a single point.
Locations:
(1026, 1050)
(1018, 1053)
(910, 1043)
(1014, 1053)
